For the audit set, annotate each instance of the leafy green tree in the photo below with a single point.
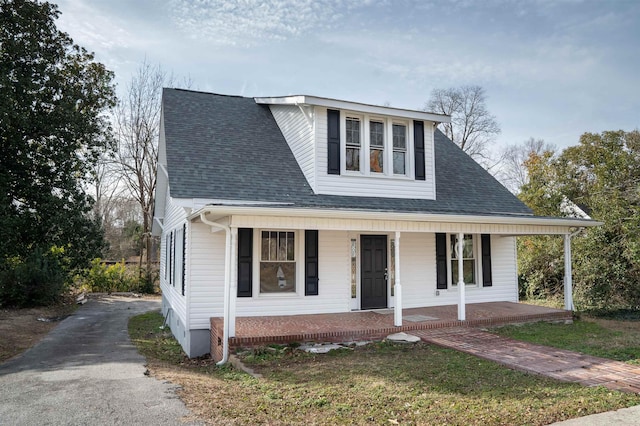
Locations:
(601, 175)
(53, 99)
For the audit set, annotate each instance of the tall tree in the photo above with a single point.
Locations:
(513, 170)
(472, 127)
(602, 175)
(53, 98)
(137, 118)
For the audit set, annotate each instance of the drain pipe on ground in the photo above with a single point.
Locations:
(227, 286)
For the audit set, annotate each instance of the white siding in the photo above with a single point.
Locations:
(334, 284)
(371, 186)
(175, 217)
(206, 275)
(418, 273)
(298, 133)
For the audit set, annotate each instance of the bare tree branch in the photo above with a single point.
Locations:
(137, 120)
(472, 127)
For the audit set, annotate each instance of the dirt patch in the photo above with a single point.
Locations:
(20, 329)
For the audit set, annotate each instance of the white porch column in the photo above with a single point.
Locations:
(462, 312)
(233, 276)
(397, 309)
(568, 290)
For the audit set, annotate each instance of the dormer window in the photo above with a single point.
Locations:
(376, 143)
(361, 144)
(353, 143)
(399, 149)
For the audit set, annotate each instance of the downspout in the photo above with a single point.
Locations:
(227, 285)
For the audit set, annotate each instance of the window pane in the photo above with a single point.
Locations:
(376, 159)
(282, 246)
(277, 277)
(353, 159)
(468, 271)
(399, 163)
(376, 130)
(273, 246)
(265, 245)
(290, 246)
(399, 136)
(352, 127)
(468, 247)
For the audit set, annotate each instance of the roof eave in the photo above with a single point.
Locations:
(353, 106)
(261, 210)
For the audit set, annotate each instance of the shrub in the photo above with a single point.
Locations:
(35, 280)
(118, 278)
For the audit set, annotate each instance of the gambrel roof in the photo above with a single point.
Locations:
(223, 147)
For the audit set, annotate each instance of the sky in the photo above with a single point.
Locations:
(552, 70)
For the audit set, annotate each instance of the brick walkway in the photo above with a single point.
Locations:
(556, 363)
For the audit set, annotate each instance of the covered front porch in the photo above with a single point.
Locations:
(372, 325)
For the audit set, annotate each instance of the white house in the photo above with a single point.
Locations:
(301, 204)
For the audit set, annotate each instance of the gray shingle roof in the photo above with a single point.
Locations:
(230, 148)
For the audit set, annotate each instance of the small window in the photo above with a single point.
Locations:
(399, 149)
(277, 262)
(468, 260)
(353, 142)
(376, 142)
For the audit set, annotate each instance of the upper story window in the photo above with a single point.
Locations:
(363, 144)
(399, 149)
(353, 143)
(376, 146)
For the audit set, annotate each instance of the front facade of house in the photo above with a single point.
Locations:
(304, 205)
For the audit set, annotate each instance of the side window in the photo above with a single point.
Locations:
(277, 262)
(469, 257)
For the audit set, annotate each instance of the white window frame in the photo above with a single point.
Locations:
(298, 239)
(343, 137)
(406, 148)
(385, 145)
(477, 256)
(365, 146)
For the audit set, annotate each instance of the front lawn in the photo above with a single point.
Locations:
(377, 384)
(606, 338)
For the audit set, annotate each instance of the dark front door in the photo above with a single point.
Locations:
(373, 272)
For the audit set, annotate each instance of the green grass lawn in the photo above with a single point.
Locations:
(380, 383)
(606, 338)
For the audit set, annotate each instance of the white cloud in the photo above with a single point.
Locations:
(250, 23)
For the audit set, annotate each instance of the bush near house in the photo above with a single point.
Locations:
(118, 277)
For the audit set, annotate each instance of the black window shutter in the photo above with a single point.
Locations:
(333, 142)
(171, 259)
(311, 262)
(184, 252)
(418, 144)
(245, 261)
(441, 261)
(486, 260)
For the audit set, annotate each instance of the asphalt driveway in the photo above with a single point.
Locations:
(87, 371)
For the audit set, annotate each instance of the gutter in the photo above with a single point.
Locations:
(227, 285)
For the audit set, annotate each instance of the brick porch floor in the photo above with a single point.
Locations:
(372, 325)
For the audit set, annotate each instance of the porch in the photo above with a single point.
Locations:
(372, 325)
